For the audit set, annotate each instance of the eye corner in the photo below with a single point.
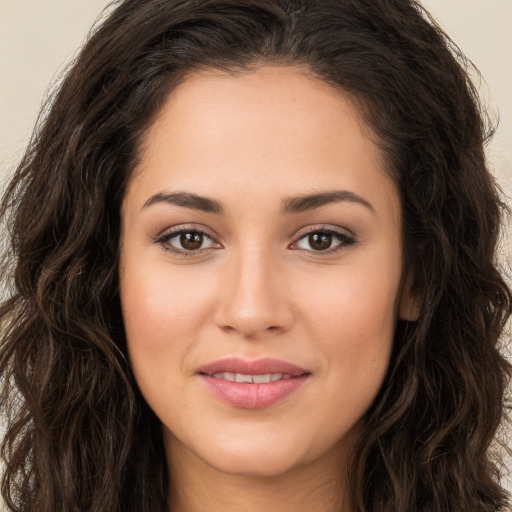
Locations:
(326, 238)
(189, 241)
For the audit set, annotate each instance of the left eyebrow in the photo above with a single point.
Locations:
(309, 202)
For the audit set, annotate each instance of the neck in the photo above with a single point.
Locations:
(197, 486)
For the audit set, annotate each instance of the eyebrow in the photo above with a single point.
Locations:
(290, 205)
(309, 202)
(187, 200)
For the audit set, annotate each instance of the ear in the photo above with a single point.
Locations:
(410, 300)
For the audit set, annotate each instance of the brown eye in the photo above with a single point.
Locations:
(320, 241)
(324, 241)
(187, 241)
(191, 241)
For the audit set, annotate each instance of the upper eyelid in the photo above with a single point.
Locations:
(181, 228)
(345, 236)
(323, 227)
(165, 237)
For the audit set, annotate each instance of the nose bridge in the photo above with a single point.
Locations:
(254, 300)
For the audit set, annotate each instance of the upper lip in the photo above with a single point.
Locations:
(256, 367)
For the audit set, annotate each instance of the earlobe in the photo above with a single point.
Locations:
(410, 302)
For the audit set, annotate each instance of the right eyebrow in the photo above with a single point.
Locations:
(187, 200)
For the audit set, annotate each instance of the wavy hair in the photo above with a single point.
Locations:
(79, 436)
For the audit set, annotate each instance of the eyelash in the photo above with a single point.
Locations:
(344, 240)
(164, 241)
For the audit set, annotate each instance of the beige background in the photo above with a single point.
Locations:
(38, 38)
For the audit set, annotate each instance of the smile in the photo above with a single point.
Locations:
(252, 384)
(251, 379)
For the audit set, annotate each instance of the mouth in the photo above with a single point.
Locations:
(252, 384)
(259, 367)
(264, 378)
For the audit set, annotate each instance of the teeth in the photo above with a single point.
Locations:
(262, 379)
(251, 379)
(240, 377)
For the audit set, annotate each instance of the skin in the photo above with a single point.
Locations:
(257, 287)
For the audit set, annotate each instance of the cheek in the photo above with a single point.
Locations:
(163, 303)
(360, 305)
(163, 313)
(353, 323)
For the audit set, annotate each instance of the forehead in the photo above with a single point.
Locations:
(271, 104)
(274, 131)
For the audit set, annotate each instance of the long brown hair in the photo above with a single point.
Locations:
(79, 435)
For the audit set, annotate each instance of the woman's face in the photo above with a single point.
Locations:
(261, 271)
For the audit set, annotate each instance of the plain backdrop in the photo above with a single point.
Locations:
(39, 37)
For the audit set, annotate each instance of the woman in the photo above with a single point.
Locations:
(253, 261)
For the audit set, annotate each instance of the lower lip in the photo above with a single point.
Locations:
(253, 396)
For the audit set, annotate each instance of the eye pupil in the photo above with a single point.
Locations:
(320, 241)
(191, 241)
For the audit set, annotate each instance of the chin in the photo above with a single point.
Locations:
(262, 464)
(261, 456)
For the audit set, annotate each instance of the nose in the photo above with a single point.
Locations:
(253, 301)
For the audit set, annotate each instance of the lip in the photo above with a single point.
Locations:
(257, 367)
(252, 395)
